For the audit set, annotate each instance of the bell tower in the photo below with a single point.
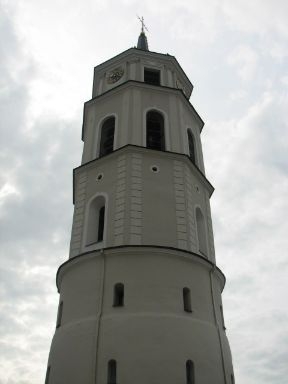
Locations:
(140, 295)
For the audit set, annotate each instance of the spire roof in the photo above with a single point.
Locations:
(142, 39)
(142, 42)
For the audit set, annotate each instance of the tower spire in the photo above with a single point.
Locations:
(142, 39)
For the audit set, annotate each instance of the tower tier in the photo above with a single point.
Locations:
(150, 197)
(167, 312)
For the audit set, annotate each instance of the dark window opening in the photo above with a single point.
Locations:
(222, 317)
(191, 142)
(155, 137)
(190, 374)
(59, 315)
(152, 76)
(96, 221)
(118, 295)
(107, 137)
(47, 375)
(232, 379)
(187, 300)
(101, 223)
(201, 232)
(112, 372)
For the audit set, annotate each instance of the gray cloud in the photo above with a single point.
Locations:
(35, 218)
(245, 148)
(251, 226)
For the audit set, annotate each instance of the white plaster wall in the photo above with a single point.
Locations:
(129, 105)
(133, 63)
(120, 207)
(151, 336)
(143, 206)
(79, 215)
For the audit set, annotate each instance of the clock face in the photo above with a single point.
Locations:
(115, 75)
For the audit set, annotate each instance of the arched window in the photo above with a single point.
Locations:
(201, 232)
(118, 300)
(155, 135)
(96, 221)
(190, 374)
(59, 314)
(107, 137)
(187, 300)
(112, 372)
(192, 150)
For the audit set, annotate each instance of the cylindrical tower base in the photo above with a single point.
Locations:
(140, 314)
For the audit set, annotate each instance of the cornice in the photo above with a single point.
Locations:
(132, 249)
(139, 52)
(176, 155)
(141, 84)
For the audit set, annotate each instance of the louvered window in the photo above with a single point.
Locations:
(155, 137)
(107, 137)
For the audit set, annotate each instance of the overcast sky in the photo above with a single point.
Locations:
(235, 54)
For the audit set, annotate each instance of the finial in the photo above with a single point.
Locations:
(142, 40)
(142, 23)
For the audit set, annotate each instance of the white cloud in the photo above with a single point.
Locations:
(259, 16)
(245, 59)
(284, 80)
(6, 191)
(238, 94)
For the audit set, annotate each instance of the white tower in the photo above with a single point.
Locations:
(140, 296)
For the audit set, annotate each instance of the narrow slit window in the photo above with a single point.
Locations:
(47, 374)
(222, 317)
(107, 137)
(59, 314)
(101, 223)
(201, 232)
(118, 295)
(112, 372)
(190, 374)
(187, 300)
(191, 142)
(155, 135)
(152, 76)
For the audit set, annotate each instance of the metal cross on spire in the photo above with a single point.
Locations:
(143, 25)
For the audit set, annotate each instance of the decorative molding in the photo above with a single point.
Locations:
(141, 149)
(131, 249)
(79, 214)
(120, 203)
(135, 228)
(190, 210)
(181, 219)
(209, 228)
